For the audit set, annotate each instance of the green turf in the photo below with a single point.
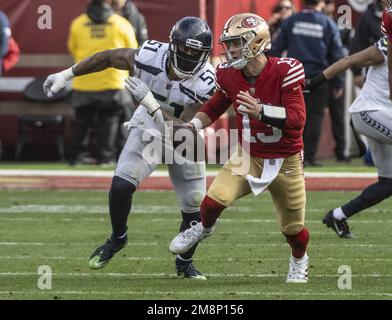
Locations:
(247, 257)
(356, 165)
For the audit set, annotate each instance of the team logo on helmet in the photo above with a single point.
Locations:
(250, 22)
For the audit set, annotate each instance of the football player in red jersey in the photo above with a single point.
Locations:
(386, 28)
(266, 93)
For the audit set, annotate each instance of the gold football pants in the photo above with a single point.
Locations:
(287, 190)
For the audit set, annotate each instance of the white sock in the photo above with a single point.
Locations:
(339, 214)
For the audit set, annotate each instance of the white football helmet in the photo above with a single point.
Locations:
(244, 37)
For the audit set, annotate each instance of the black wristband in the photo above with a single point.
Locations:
(275, 122)
(315, 82)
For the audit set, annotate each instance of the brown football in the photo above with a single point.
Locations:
(188, 143)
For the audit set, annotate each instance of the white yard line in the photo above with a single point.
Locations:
(136, 209)
(159, 173)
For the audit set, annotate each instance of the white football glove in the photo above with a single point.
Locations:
(127, 125)
(142, 94)
(55, 82)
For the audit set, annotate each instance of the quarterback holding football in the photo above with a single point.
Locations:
(266, 93)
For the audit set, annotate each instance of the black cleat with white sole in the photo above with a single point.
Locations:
(340, 227)
(104, 253)
(188, 270)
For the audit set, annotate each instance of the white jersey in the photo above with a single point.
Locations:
(375, 93)
(173, 96)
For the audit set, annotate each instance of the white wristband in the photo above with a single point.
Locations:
(274, 112)
(150, 103)
(68, 74)
(197, 124)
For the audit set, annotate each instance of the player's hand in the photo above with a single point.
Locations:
(248, 104)
(141, 93)
(190, 125)
(127, 125)
(137, 88)
(55, 82)
(307, 86)
(311, 84)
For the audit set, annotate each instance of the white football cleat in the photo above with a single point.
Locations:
(184, 241)
(298, 270)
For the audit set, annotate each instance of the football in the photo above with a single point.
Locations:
(187, 143)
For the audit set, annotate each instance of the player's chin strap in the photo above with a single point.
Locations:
(273, 115)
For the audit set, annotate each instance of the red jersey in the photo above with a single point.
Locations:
(386, 25)
(279, 84)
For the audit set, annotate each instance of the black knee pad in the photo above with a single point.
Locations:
(121, 187)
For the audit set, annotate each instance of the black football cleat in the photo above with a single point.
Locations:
(104, 253)
(188, 270)
(341, 227)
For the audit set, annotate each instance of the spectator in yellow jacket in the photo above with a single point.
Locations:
(99, 98)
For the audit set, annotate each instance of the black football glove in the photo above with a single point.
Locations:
(311, 84)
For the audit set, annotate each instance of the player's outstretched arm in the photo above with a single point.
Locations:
(365, 58)
(122, 59)
(211, 110)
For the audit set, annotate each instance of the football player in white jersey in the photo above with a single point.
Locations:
(372, 116)
(170, 81)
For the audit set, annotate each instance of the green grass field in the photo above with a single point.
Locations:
(247, 257)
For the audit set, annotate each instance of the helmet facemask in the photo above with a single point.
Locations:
(187, 62)
(238, 44)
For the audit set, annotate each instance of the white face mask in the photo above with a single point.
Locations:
(239, 64)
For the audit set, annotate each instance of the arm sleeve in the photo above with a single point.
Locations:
(293, 101)
(216, 106)
(292, 97)
(386, 25)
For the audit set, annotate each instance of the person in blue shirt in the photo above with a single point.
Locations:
(312, 38)
(5, 33)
